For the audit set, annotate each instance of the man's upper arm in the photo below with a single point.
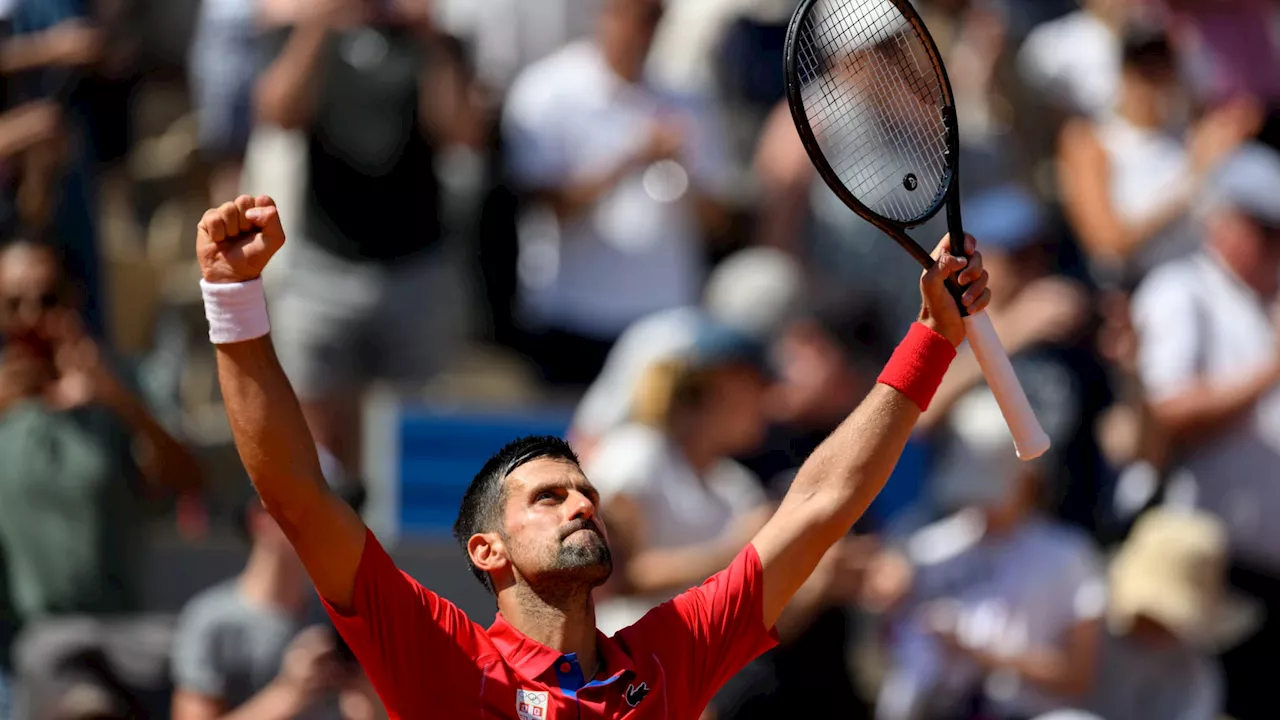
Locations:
(329, 538)
(712, 631)
(1166, 320)
(411, 642)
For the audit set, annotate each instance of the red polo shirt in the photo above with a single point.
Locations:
(428, 660)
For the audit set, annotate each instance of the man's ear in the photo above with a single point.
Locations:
(488, 552)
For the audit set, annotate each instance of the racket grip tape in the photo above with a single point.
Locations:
(1029, 438)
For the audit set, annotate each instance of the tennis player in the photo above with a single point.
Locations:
(532, 532)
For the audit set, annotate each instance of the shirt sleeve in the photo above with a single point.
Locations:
(707, 634)
(195, 664)
(536, 152)
(413, 644)
(1166, 320)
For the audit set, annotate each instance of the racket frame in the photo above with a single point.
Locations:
(1030, 440)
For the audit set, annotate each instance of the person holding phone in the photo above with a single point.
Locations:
(257, 645)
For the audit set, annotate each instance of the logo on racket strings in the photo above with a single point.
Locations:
(910, 182)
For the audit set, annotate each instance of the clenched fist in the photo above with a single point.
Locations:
(236, 240)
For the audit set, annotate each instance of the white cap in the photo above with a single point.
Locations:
(757, 291)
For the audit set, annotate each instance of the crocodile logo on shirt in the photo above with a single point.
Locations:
(635, 694)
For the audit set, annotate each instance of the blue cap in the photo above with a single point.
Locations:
(716, 343)
(1007, 218)
(1249, 182)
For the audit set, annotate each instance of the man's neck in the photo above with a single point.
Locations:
(622, 63)
(272, 581)
(565, 624)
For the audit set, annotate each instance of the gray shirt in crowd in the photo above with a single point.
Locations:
(230, 649)
(1140, 682)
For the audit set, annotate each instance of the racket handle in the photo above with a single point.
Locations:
(1029, 439)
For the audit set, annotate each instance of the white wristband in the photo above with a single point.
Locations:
(236, 311)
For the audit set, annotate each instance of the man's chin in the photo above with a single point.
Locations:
(588, 561)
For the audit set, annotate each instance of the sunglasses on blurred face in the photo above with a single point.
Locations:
(15, 304)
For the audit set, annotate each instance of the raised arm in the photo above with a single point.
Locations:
(841, 478)
(235, 242)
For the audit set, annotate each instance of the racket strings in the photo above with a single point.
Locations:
(874, 103)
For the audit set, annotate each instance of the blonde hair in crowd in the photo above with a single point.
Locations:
(665, 388)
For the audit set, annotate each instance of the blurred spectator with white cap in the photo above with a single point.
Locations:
(1045, 320)
(757, 291)
(996, 609)
(1209, 361)
(1169, 611)
(678, 506)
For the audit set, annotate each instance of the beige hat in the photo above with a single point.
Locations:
(1173, 569)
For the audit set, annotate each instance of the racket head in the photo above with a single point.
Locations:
(873, 106)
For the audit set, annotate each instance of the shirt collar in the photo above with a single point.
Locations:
(531, 659)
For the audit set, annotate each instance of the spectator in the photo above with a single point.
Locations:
(244, 648)
(1169, 608)
(77, 449)
(679, 508)
(1128, 179)
(1045, 322)
(997, 607)
(1209, 363)
(757, 291)
(618, 177)
(1073, 62)
(378, 97)
(50, 48)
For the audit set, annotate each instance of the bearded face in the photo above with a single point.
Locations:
(554, 538)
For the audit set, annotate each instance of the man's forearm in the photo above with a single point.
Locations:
(168, 462)
(572, 201)
(270, 431)
(842, 477)
(851, 466)
(274, 702)
(286, 92)
(1205, 410)
(27, 52)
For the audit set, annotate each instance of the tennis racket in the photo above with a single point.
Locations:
(873, 105)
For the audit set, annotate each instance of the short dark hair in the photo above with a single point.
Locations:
(481, 509)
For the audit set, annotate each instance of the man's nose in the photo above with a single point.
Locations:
(580, 506)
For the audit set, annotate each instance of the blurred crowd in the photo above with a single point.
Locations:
(607, 202)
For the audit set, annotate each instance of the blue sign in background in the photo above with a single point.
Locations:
(440, 452)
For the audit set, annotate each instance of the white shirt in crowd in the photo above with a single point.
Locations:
(507, 35)
(1142, 682)
(680, 509)
(1197, 322)
(1006, 594)
(638, 250)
